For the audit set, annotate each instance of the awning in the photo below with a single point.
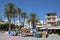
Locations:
(51, 28)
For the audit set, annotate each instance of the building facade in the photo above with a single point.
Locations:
(51, 19)
(39, 24)
(58, 22)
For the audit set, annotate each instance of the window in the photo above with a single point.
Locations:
(49, 18)
(53, 18)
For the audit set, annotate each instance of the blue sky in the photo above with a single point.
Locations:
(40, 7)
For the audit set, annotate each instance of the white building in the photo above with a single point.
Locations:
(3, 22)
(26, 24)
(18, 23)
(58, 21)
(29, 25)
(39, 24)
(51, 19)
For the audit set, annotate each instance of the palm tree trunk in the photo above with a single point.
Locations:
(19, 22)
(9, 24)
(14, 23)
(33, 24)
(14, 20)
(9, 20)
(24, 22)
(19, 18)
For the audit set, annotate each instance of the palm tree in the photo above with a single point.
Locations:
(24, 16)
(33, 19)
(14, 15)
(8, 13)
(19, 14)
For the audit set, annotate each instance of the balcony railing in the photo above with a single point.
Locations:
(51, 21)
(51, 16)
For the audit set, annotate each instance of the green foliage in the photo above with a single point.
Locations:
(6, 26)
(24, 15)
(19, 13)
(9, 10)
(19, 10)
(33, 19)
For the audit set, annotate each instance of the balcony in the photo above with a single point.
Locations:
(51, 16)
(51, 21)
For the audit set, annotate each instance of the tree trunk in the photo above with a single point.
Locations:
(19, 19)
(19, 23)
(34, 25)
(9, 24)
(24, 22)
(14, 20)
(15, 24)
(9, 20)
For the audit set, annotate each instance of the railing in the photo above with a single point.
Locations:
(51, 21)
(51, 16)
